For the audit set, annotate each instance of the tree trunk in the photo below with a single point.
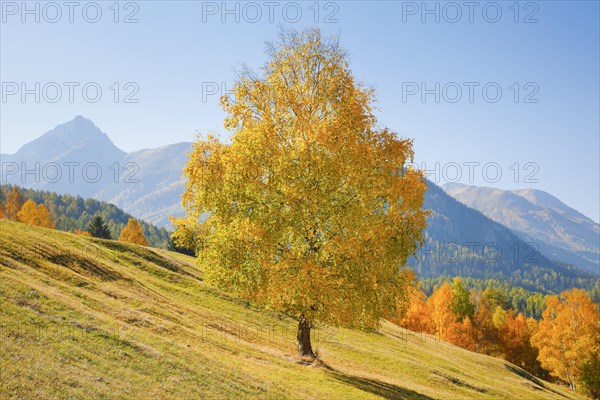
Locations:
(304, 346)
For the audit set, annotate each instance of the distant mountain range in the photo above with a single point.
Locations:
(78, 158)
(561, 232)
(148, 184)
(461, 241)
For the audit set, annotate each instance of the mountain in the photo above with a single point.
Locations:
(461, 241)
(73, 154)
(154, 186)
(78, 158)
(78, 139)
(561, 232)
(97, 319)
(148, 185)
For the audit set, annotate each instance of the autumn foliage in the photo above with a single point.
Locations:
(34, 214)
(17, 209)
(568, 336)
(416, 317)
(133, 233)
(14, 203)
(565, 343)
(440, 310)
(310, 209)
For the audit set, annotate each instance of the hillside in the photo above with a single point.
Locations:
(71, 213)
(461, 241)
(561, 232)
(87, 318)
(150, 186)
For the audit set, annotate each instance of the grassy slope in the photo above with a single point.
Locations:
(86, 318)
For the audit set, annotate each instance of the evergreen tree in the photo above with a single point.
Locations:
(98, 229)
(173, 246)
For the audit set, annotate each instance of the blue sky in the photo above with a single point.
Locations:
(542, 132)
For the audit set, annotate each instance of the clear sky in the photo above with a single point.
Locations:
(541, 132)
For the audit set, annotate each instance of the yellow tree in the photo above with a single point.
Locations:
(516, 343)
(33, 214)
(14, 202)
(566, 334)
(416, 317)
(43, 217)
(133, 233)
(28, 213)
(440, 309)
(310, 209)
(461, 334)
(487, 338)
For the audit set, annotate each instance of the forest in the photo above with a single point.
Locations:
(73, 213)
(562, 345)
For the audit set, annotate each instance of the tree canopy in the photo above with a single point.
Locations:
(133, 233)
(98, 229)
(34, 214)
(568, 337)
(14, 202)
(310, 209)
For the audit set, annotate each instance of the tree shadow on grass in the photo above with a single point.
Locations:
(538, 383)
(374, 386)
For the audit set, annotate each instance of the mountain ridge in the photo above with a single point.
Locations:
(137, 181)
(562, 232)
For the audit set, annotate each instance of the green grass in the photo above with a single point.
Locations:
(87, 318)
